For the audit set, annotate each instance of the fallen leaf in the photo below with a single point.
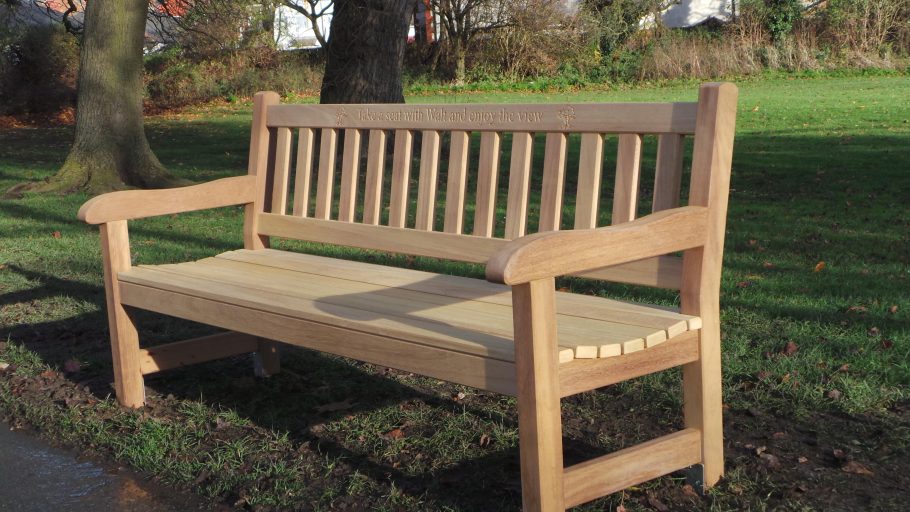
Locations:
(71, 366)
(892, 309)
(395, 433)
(838, 454)
(657, 504)
(779, 435)
(221, 423)
(802, 487)
(620, 508)
(802, 460)
(819, 266)
(844, 368)
(760, 450)
(857, 309)
(834, 394)
(874, 331)
(336, 406)
(790, 348)
(763, 375)
(744, 284)
(3, 366)
(768, 265)
(48, 374)
(856, 468)
(887, 344)
(57, 234)
(484, 440)
(770, 461)
(688, 490)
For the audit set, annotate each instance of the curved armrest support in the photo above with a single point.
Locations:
(557, 253)
(136, 204)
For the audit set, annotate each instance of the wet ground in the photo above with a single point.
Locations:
(37, 477)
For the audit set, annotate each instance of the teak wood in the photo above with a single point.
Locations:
(513, 333)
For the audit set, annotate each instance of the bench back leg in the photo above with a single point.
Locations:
(537, 372)
(267, 361)
(128, 381)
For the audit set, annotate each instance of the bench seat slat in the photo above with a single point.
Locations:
(572, 304)
(586, 337)
(461, 314)
(470, 370)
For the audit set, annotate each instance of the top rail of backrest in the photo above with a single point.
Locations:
(650, 118)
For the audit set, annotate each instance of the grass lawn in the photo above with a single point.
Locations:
(816, 324)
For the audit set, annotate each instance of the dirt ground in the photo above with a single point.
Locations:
(830, 462)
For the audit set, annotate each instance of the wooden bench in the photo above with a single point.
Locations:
(455, 328)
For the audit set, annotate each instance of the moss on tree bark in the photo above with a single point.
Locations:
(110, 151)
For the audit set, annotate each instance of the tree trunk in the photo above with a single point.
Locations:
(365, 53)
(110, 151)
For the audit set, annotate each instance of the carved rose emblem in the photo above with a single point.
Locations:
(340, 116)
(567, 115)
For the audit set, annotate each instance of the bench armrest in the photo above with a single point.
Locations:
(136, 204)
(556, 253)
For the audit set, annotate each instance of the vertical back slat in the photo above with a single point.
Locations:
(519, 181)
(350, 170)
(426, 189)
(304, 171)
(458, 167)
(628, 167)
(487, 174)
(668, 175)
(372, 201)
(401, 175)
(554, 170)
(282, 169)
(590, 166)
(326, 176)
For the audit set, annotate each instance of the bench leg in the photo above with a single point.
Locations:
(539, 421)
(703, 402)
(266, 360)
(128, 381)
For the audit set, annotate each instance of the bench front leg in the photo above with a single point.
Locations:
(128, 381)
(537, 372)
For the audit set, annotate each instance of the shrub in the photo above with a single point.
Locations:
(174, 80)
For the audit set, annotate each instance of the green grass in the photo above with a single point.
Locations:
(820, 175)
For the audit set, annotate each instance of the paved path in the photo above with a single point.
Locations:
(36, 477)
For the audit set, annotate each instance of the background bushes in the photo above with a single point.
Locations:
(539, 46)
(38, 70)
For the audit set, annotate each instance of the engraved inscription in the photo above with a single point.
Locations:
(450, 115)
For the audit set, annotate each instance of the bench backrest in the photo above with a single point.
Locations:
(345, 174)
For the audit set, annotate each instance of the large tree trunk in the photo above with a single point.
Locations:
(365, 53)
(110, 150)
